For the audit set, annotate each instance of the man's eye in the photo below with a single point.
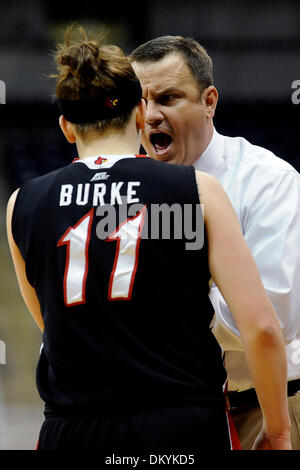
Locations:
(167, 99)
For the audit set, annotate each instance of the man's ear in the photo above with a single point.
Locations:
(210, 99)
(141, 114)
(67, 129)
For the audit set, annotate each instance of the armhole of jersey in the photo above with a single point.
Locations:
(194, 186)
(14, 217)
(196, 197)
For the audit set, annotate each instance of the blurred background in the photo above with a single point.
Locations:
(255, 47)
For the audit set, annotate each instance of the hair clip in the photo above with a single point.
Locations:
(111, 103)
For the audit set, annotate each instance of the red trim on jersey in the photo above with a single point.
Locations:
(61, 242)
(233, 435)
(142, 156)
(118, 240)
(75, 159)
(234, 438)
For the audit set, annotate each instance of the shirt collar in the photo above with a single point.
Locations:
(213, 156)
(96, 162)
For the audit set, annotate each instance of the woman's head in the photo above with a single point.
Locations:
(96, 85)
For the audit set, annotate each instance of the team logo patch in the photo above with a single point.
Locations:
(100, 160)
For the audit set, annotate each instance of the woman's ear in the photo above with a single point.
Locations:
(67, 129)
(141, 115)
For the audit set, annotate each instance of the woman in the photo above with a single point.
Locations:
(128, 359)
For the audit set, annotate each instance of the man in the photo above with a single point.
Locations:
(176, 74)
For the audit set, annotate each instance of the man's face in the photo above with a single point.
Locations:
(176, 120)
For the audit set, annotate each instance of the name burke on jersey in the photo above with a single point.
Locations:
(99, 194)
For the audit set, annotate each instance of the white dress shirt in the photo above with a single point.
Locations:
(265, 192)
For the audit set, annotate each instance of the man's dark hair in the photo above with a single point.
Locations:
(195, 56)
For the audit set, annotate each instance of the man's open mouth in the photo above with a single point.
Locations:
(160, 141)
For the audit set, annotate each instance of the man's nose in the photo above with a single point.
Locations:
(153, 113)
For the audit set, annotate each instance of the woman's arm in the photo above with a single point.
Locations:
(234, 271)
(27, 290)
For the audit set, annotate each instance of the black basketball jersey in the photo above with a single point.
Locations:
(124, 301)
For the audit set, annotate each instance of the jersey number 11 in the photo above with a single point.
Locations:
(77, 239)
